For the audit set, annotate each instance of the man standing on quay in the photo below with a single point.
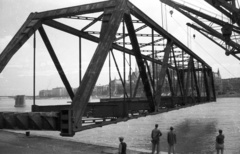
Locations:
(220, 142)
(156, 133)
(122, 146)
(172, 140)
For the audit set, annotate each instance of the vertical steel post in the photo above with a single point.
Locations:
(188, 77)
(34, 67)
(157, 75)
(212, 84)
(80, 61)
(179, 75)
(114, 59)
(56, 62)
(202, 89)
(170, 82)
(162, 73)
(124, 64)
(125, 104)
(206, 81)
(196, 81)
(130, 75)
(199, 82)
(110, 80)
(149, 74)
(192, 71)
(183, 74)
(111, 20)
(170, 72)
(139, 59)
(136, 86)
(153, 68)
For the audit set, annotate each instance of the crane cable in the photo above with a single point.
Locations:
(207, 52)
(197, 7)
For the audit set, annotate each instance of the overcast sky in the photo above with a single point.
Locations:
(17, 77)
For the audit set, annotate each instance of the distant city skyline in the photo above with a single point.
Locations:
(17, 77)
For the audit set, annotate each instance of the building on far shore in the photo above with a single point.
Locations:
(55, 92)
(228, 86)
(45, 93)
(115, 87)
(231, 86)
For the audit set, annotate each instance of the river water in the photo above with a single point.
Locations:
(196, 127)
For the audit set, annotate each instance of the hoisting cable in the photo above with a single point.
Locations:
(207, 52)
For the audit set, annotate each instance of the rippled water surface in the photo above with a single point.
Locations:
(196, 127)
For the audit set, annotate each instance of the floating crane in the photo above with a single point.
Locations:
(224, 34)
(228, 8)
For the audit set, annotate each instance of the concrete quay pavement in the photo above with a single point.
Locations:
(17, 143)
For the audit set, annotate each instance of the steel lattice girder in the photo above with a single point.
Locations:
(114, 12)
(228, 8)
(30, 120)
(207, 29)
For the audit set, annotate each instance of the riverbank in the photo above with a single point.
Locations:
(228, 96)
(12, 143)
(197, 123)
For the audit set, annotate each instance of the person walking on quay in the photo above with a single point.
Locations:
(172, 140)
(220, 142)
(122, 146)
(156, 133)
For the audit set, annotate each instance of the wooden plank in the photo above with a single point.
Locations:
(83, 93)
(56, 62)
(140, 62)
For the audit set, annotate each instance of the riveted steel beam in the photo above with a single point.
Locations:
(140, 62)
(30, 120)
(23, 34)
(85, 35)
(149, 22)
(162, 74)
(111, 18)
(76, 10)
(56, 62)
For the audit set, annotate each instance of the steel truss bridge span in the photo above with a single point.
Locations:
(164, 64)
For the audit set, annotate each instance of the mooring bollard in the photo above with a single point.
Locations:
(27, 133)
